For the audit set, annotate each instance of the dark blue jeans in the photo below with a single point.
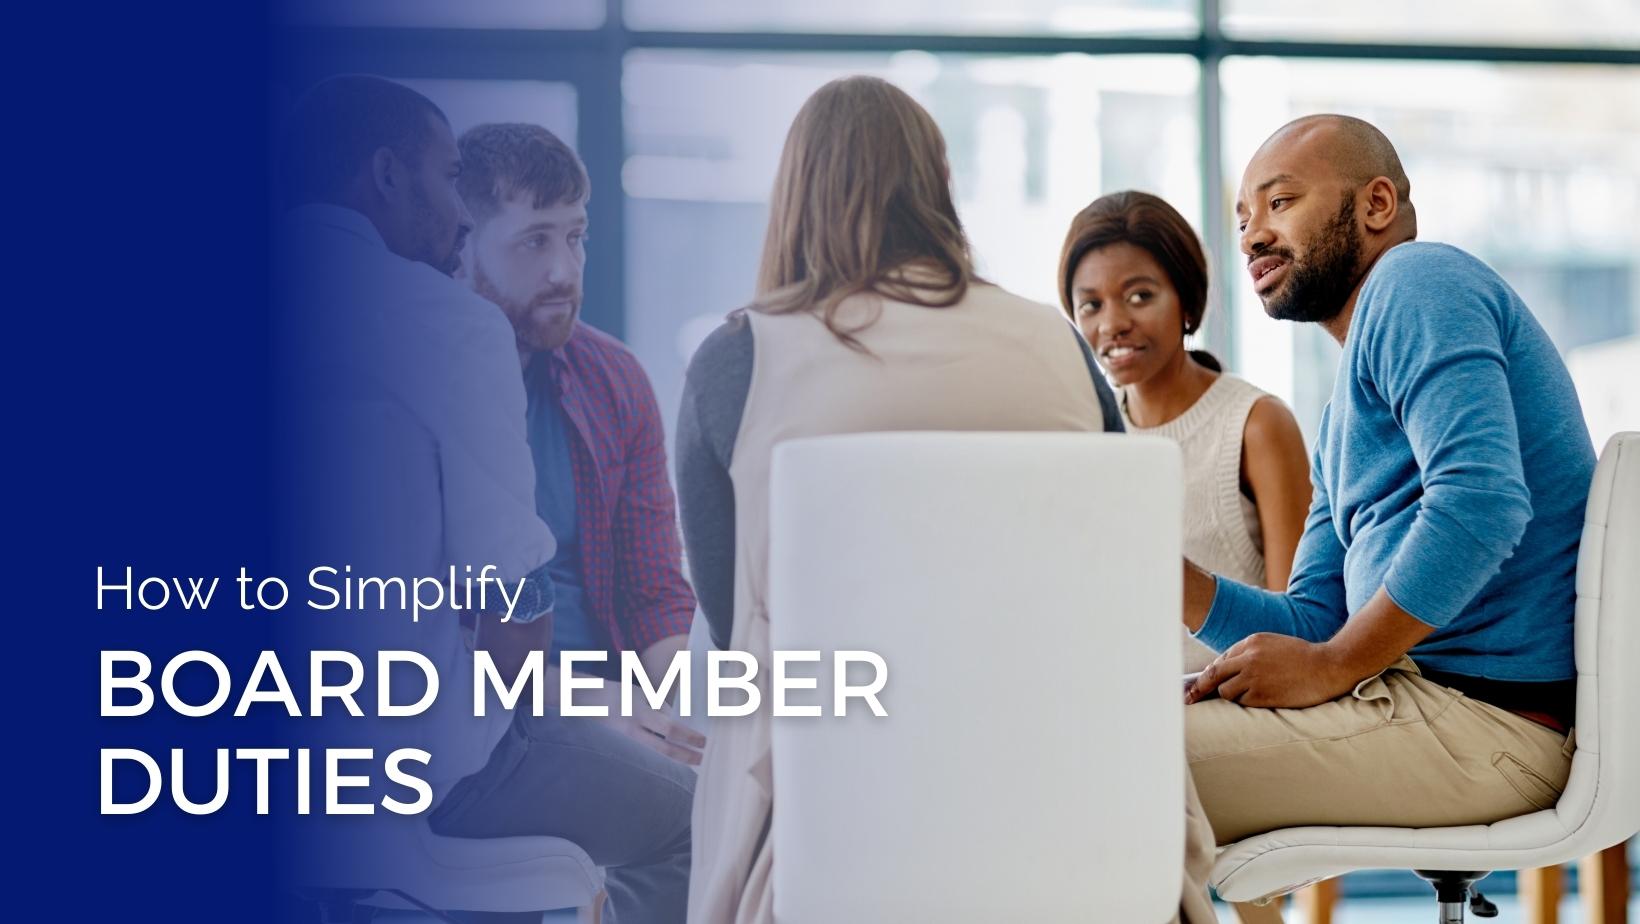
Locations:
(627, 806)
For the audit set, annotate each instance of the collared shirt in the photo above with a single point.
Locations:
(632, 582)
(573, 628)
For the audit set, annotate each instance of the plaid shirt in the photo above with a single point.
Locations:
(631, 557)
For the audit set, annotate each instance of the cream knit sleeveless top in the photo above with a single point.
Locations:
(1221, 526)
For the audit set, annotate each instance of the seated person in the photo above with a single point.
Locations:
(1418, 670)
(405, 430)
(617, 786)
(1133, 278)
(868, 317)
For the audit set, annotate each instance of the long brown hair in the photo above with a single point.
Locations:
(862, 203)
(1147, 222)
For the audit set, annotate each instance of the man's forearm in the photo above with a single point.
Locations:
(510, 643)
(658, 657)
(1374, 638)
(1276, 670)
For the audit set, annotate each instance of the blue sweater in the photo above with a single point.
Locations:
(1451, 468)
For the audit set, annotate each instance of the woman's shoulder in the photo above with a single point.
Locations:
(1270, 423)
(1231, 405)
(1253, 403)
(981, 303)
(1233, 385)
(731, 336)
(990, 293)
(1016, 312)
(725, 353)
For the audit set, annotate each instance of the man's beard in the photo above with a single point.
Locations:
(1320, 284)
(519, 313)
(452, 262)
(435, 254)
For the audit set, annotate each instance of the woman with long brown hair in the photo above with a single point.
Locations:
(868, 317)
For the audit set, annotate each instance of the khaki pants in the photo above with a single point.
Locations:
(1196, 902)
(1400, 751)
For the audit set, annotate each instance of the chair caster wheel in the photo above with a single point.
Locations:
(1480, 906)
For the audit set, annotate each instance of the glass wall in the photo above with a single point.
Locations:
(1031, 141)
(467, 14)
(972, 17)
(1605, 23)
(1533, 168)
(474, 102)
(1518, 120)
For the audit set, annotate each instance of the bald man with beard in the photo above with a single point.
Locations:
(1418, 670)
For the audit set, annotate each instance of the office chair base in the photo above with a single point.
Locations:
(1455, 891)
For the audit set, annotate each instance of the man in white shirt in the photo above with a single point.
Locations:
(403, 387)
(421, 461)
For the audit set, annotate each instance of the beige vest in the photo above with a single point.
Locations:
(991, 362)
(1222, 532)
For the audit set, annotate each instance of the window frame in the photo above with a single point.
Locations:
(592, 61)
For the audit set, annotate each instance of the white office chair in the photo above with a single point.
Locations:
(1601, 804)
(396, 862)
(1024, 592)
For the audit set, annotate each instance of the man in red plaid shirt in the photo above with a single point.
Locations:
(618, 786)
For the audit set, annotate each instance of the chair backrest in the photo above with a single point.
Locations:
(1024, 592)
(1601, 803)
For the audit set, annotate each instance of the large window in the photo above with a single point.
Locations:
(467, 14)
(475, 102)
(971, 17)
(1031, 141)
(1534, 168)
(1519, 121)
(1606, 23)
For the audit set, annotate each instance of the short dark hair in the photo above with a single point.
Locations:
(340, 123)
(1151, 224)
(500, 160)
